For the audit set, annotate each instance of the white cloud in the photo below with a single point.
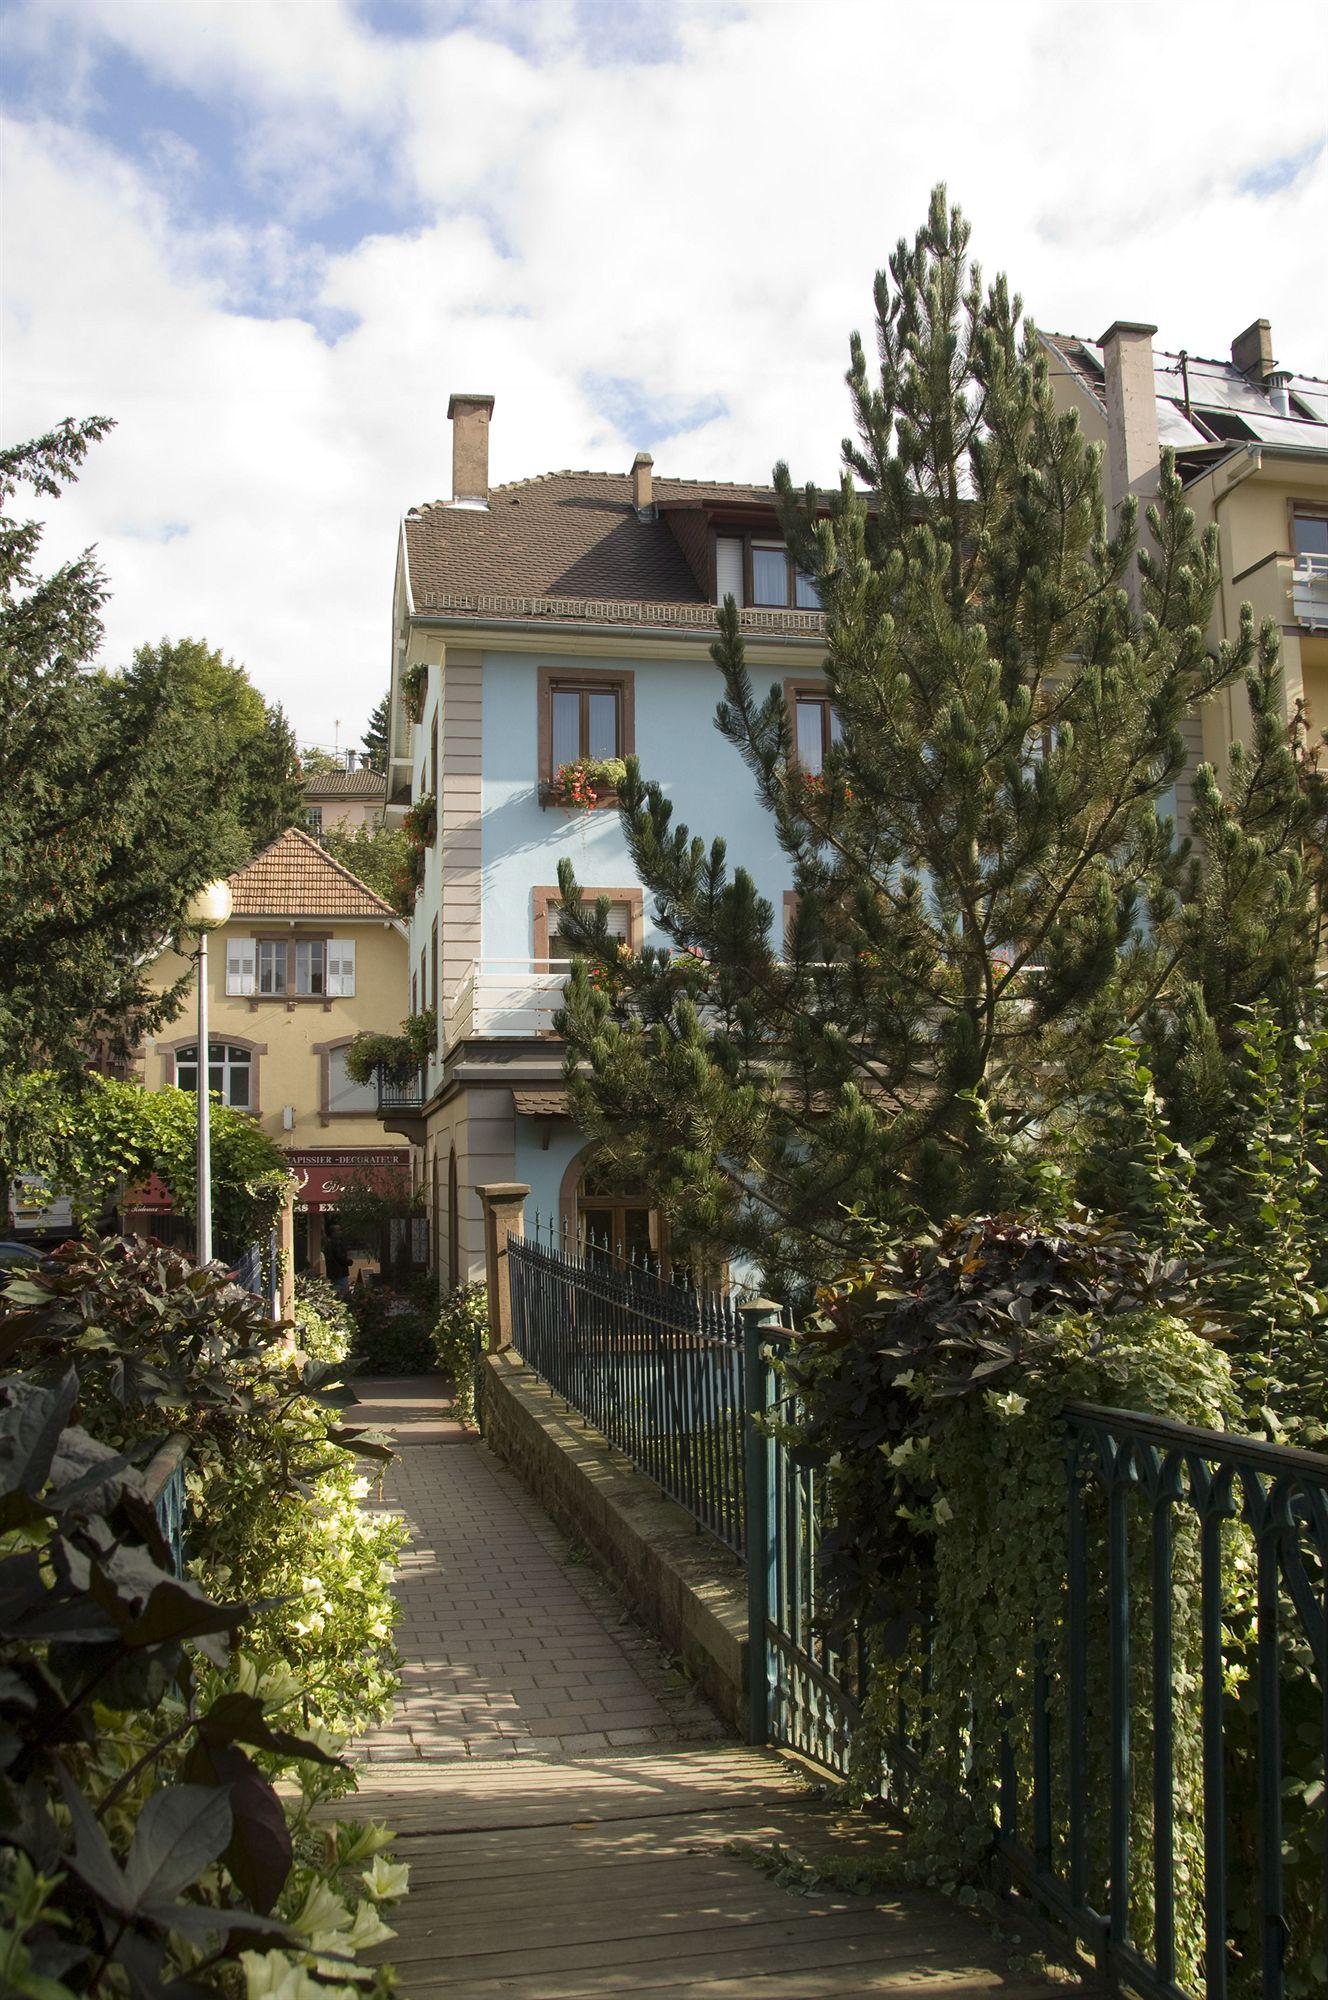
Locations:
(704, 227)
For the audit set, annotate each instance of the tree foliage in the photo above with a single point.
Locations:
(988, 885)
(379, 855)
(120, 794)
(374, 742)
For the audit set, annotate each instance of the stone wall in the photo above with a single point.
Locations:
(682, 1585)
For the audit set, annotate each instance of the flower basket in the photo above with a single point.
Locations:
(585, 783)
(414, 685)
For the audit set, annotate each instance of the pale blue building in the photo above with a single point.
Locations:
(539, 627)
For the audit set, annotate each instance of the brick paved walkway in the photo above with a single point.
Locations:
(510, 1646)
(576, 1825)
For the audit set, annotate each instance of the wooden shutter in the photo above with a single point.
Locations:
(241, 961)
(341, 968)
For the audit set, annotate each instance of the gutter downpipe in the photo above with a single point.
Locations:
(1253, 463)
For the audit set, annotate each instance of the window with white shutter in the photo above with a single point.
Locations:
(341, 968)
(343, 1095)
(241, 966)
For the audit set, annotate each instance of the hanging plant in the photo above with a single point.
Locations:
(582, 784)
(414, 683)
(421, 822)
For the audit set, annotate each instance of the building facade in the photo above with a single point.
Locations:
(309, 958)
(538, 624)
(351, 797)
(568, 619)
(1251, 444)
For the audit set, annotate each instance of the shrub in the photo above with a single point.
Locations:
(391, 1334)
(458, 1338)
(143, 1840)
(324, 1327)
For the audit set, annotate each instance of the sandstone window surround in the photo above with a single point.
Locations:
(233, 1066)
(290, 966)
(338, 1097)
(813, 724)
(626, 917)
(584, 712)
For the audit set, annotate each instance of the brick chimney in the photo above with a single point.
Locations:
(1134, 455)
(642, 466)
(1252, 351)
(469, 418)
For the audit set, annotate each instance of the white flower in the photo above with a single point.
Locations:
(368, 1929)
(270, 1975)
(364, 1840)
(322, 1914)
(386, 1880)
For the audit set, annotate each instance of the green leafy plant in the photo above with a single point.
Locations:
(324, 1327)
(397, 1056)
(391, 1333)
(414, 686)
(421, 822)
(582, 783)
(459, 1335)
(144, 1844)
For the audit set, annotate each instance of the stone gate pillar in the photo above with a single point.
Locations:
(504, 1209)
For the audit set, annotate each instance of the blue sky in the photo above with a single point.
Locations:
(269, 236)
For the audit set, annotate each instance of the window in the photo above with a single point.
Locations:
(433, 961)
(1309, 533)
(344, 1098)
(313, 819)
(585, 724)
(770, 568)
(586, 714)
(301, 968)
(241, 964)
(815, 727)
(230, 1072)
(625, 919)
(760, 571)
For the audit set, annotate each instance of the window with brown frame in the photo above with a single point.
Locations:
(759, 570)
(814, 724)
(626, 919)
(589, 713)
(294, 968)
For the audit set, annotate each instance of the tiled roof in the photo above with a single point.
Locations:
(360, 784)
(540, 1102)
(571, 545)
(295, 877)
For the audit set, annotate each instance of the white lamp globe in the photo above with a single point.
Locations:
(210, 906)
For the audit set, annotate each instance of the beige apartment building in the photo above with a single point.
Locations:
(351, 797)
(1251, 444)
(309, 957)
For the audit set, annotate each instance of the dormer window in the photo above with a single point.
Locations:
(758, 570)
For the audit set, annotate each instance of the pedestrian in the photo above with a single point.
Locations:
(336, 1258)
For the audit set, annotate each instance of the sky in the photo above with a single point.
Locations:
(269, 237)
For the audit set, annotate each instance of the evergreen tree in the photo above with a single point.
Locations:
(374, 740)
(112, 811)
(987, 889)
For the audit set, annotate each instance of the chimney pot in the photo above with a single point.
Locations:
(1252, 351)
(642, 499)
(1134, 454)
(469, 418)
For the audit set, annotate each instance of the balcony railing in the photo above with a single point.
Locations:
(400, 1095)
(1309, 591)
(506, 996)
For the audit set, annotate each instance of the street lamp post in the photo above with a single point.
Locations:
(209, 909)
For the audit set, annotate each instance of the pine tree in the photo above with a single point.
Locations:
(987, 888)
(374, 740)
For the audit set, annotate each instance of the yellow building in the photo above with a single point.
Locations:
(309, 957)
(1251, 444)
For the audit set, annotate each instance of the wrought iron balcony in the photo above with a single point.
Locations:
(400, 1096)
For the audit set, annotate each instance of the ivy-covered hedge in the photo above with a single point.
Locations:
(113, 1133)
(458, 1338)
(144, 1845)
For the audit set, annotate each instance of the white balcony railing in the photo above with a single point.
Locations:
(506, 996)
(1309, 591)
